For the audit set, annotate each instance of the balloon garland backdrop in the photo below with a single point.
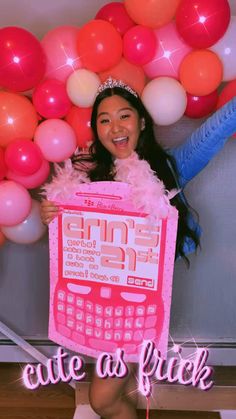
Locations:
(172, 52)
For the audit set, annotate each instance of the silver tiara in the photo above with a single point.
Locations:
(110, 83)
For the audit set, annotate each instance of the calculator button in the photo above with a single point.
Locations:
(119, 311)
(105, 292)
(61, 307)
(139, 323)
(70, 311)
(89, 306)
(80, 302)
(77, 337)
(128, 336)
(118, 335)
(151, 310)
(135, 298)
(64, 331)
(129, 311)
(102, 345)
(78, 289)
(140, 311)
(118, 323)
(98, 333)
(138, 336)
(71, 298)
(108, 311)
(129, 323)
(61, 295)
(79, 315)
(150, 321)
(61, 318)
(129, 348)
(149, 334)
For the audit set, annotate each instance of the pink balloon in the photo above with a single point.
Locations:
(15, 203)
(3, 167)
(172, 49)
(50, 99)
(140, 45)
(116, 14)
(23, 156)
(22, 59)
(32, 181)
(30, 230)
(60, 48)
(56, 139)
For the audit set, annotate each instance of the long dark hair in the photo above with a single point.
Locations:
(147, 149)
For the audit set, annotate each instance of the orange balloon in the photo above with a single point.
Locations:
(151, 13)
(18, 118)
(201, 72)
(129, 73)
(2, 238)
(99, 45)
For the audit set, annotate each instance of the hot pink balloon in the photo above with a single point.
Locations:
(200, 106)
(60, 48)
(15, 203)
(116, 14)
(22, 59)
(3, 167)
(56, 139)
(140, 45)
(31, 181)
(201, 23)
(169, 55)
(30, 230)
(23, 156)
(51, 100)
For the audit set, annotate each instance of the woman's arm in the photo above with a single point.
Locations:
(192, 156)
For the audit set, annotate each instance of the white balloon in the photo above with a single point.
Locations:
(165, 99)
(82, 86)
(28, 231)
(225, 48)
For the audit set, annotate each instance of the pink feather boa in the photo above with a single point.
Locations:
(149, 194)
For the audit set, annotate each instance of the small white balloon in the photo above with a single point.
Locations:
(28, 231)
(82, 86)
(225, 48)
(165, 99)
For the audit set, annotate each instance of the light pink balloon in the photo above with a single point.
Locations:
(32, 181)
(59, 45)
(225, 48)
(15, 203)
(30, 230)
(171, 51)
(56, 139)
(165, 99)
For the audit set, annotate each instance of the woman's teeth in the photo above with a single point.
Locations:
(120, 140)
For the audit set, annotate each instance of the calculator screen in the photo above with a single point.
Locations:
(111, 248)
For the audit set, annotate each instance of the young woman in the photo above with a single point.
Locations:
(123, 129)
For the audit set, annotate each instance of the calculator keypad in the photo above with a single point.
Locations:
(104, 328)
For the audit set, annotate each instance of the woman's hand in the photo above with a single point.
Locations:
(48, 211)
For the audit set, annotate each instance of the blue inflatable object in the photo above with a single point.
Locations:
(205, 142)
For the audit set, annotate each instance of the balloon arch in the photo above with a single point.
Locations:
(167, 50)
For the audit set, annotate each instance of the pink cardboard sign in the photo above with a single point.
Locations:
(110, 273)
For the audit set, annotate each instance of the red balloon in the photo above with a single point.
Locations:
(22, 60)
(50, 99)
(201, 23)
(139, 45)
(3, 167)
(99, 45)
(200, 106)
(79, 119)
(23, 157)
(31, 181)
(116, 14)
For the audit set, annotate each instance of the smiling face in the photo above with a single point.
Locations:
(118, 126)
